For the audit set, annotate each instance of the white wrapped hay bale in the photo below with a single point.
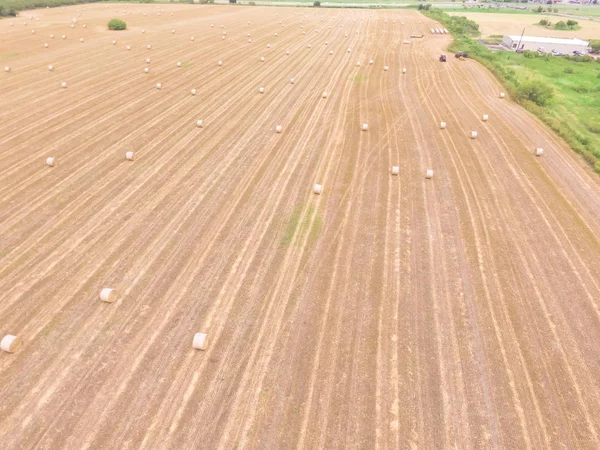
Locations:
(64, 36)
(158, 86)
(63, 84)
(261, 90)
(50, 68)
(442, 125)
(200, 341)
(146, 70)
(220, 63)
(262, 59)
(395, 170)
(51, 36)
(501, 95)
(114, 42)
(81, 40)
(109, 295)
(485, 118)
(317, 189)
(331, 52)
(539, 151)
(193, 91)
(7, 69)
(357, 63)
(129, 156)
(178, 64)
(51, 161)
(385, 68)
(403, 70)
(371, 62)
(46, 45)
(149, 46)
(10, 343)
(292, 81)
(128, 47)
(429, 173)
(324, 95)
(278, 129)
(147, 60)
(365, 126)
(473, 134)
(199, 123)
(192, 38)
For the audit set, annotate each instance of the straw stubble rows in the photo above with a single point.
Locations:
(389, 311)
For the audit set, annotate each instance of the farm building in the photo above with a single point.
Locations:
(548, 44)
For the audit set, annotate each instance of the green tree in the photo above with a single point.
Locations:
(117, 24)
(534, 91)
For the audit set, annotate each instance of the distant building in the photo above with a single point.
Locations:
(548, 44)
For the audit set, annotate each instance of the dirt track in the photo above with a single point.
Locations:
(388, 312)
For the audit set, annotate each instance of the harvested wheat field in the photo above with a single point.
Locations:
(502, 24)
(383, 310)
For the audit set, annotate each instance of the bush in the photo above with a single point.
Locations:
(232, 1)
(544, 22)
(561, 25)
(539, 9)
(571, 23)
(426, 7)
(530, 54)
(595, 46)
(317, 4)
(539, 93)
(117, 24)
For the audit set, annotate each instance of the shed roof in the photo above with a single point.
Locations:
(548, 40)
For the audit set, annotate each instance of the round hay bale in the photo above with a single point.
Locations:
(262, 59)
(324, 95)
(80, 39)
(32, 31)
(158, 86)
(331, 52)
(473, 134)
(220, 63)
(365, 126)
(7, 69)
(193, 91)
(268, 45)
(200, 341)
(371, 62)
(317, 189)
(146, 70)
(223, 37)
(63, 84)
(192, 38)
(539, 151)
(278, 129)
(348, 50)
(114, 42)
(51, 161)
(403, 70)
(261, 90)
(50, 68)
(108, 295)
(357, 63)
(287, 52)
(502, 95)
(129, 156)
(199, 123)
(147, 60)
(149, 46)
(386, 68)
(10, 343)
(178, 64)
(46, 45)
(429, 173)
(128, 47)
(143, 31)
(292, 80)
(442, 125)
(309, 46)
(64, 36)
(51, 36)
(172, 31)
(485, 118)
(395, 170)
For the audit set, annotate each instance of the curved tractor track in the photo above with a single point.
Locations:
(389, 312)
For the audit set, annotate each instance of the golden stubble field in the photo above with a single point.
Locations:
(390, 311)
(502, 24)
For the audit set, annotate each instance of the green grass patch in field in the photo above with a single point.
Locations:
(572, 108)
(358, 78)
(299, 224)
(187, 64)
(4, 56)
